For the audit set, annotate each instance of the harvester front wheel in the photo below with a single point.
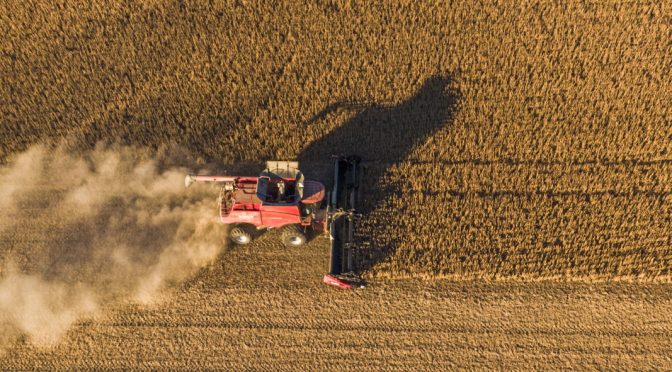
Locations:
(293, 236)
(240, 236)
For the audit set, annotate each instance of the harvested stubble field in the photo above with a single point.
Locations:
(506, 143)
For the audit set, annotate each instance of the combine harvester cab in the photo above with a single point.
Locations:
(279, 198)
(341, 222)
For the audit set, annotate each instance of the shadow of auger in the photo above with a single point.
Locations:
(383, 135)
(346, 106)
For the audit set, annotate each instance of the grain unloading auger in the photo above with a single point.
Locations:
(280, 198)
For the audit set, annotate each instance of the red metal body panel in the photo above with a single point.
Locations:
(313, 192)
(253, 218)
(332, 280)
(240, 203)
(278, 216)
(245, 207)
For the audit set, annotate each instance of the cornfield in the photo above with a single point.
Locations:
(504, 141)
(544, 153)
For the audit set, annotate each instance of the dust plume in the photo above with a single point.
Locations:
(80, 232)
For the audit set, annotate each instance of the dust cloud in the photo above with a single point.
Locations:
(81, 232)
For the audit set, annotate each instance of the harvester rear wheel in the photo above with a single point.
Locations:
(240, 236)
(293, 236)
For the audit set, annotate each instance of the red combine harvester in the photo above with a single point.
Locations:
(280, 198)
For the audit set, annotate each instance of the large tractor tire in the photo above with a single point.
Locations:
(293, 236)
(239, 235)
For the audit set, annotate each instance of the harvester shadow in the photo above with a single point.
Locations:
(383, 136)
